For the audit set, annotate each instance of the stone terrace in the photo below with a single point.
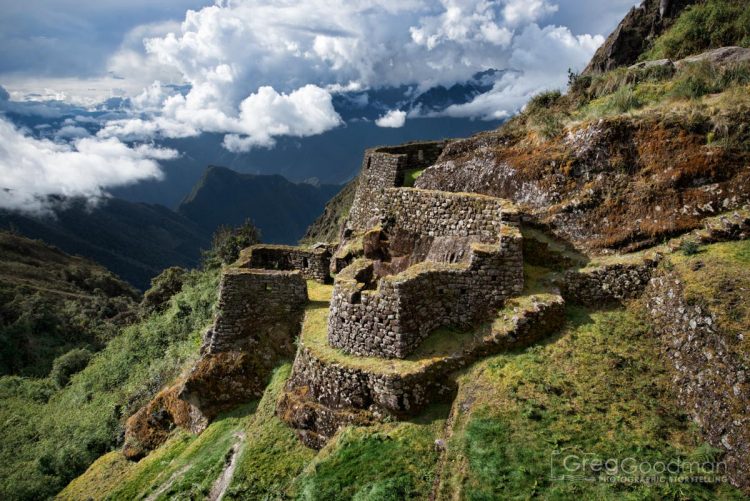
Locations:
(383, 168)
(329, 388)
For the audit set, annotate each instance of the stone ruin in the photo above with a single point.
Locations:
(416, 261)
(409, 262)
(437, 259)
(313, 263)
(261, 305)
(383, 168)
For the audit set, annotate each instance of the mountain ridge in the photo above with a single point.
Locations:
(281, 209)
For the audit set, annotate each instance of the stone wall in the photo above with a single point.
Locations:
(322, 396)
(259, 316)
(314, 263)
(444, 214)
(394, 319)
(711, 380)
(249, 302)
(384, 168)
(607, 284)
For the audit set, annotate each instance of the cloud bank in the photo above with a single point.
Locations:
(33, 169)
(258, 69)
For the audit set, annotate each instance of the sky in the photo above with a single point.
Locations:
(254, 71)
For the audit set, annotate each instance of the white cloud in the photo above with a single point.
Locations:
(262, 116)
(71, 132)
(545, 54)
(33, 169)
(517, 12)
(259, 69)
(394, 119)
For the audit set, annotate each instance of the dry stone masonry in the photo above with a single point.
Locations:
(430, 259)
(322, 395)
(384, 168)
(312, 263)
(711, 379)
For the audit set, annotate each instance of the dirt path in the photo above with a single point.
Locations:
(222, 483)
(166, 485)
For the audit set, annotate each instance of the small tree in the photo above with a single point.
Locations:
(227, 243)
(165, 285)
(68, 364)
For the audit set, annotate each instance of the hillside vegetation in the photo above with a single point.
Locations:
(136, 241)
(52, 433)
(51, 302)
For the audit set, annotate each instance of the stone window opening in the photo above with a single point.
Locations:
(268, 287)
(305, 263)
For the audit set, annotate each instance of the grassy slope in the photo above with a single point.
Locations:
(389, 461)
(718, 278)
(597, 388)
(715, 23)
(185, 467)
(50, 436)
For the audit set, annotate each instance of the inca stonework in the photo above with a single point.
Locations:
(427, 259)
(313, 263)
(259, 316)
(472, 264)
(384, 168)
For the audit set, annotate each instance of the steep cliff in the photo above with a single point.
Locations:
(636, 34)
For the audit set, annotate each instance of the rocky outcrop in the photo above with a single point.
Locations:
(635, 33)
(710, 378)
(615, 183)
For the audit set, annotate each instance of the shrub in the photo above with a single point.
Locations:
(689, 247)
(543, 101)
(163, 287)
(545, 114)
(66, 365)
(624, 99)
(227, 243)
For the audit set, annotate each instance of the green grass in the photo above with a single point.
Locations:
(273, 455)
(596, 388)
(411, 176)
(385, 462)
(708, 25)
(185, 467)
(50, 436)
